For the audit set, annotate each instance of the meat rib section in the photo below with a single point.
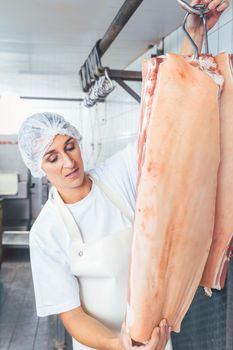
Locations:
(222, 246)
(175, 205)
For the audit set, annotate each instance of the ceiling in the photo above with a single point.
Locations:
(54, 37)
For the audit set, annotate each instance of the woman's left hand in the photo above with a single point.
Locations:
(216, 7)
(158, 340)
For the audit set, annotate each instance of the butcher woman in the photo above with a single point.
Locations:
(81, 240)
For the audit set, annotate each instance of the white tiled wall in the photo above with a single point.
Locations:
(115, 122)
(110, 127)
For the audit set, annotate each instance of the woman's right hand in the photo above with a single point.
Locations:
(158, 340)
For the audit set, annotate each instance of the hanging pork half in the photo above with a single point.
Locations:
(222, 246)
(175, 206)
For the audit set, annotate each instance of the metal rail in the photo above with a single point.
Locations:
(122, 17)
(92, 68)
(125, 75)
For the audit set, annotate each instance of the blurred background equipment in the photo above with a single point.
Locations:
(22, 196)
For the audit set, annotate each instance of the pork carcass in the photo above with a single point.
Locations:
(175, 205)
(222, 246)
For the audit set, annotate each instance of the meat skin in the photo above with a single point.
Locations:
(214, 275)
(177, 186)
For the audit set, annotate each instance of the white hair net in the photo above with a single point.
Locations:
(36, 135)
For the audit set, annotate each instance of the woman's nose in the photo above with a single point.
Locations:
(68, 162)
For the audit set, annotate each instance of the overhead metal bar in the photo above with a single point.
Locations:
(92, 69)
(122, 17)
(125, 74)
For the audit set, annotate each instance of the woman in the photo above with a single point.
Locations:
(84, 230)
(81, 240)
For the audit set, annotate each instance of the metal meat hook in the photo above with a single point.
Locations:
(199, 10)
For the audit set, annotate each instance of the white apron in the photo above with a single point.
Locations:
(101, 266)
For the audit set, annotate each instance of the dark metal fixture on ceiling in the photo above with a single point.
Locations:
(92, 69)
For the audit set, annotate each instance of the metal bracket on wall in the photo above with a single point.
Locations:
(120, 75)
(128, 89)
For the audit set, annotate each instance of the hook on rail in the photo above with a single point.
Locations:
(200, 10)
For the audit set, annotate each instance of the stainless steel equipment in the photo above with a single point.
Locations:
(21, 208)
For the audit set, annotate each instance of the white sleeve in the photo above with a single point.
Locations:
(56, 288)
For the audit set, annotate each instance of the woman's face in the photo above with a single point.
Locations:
(63, 164)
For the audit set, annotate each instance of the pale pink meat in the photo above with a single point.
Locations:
(149, 77)
(175, 205)
(222, 246)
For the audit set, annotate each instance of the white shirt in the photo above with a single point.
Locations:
(56, 288)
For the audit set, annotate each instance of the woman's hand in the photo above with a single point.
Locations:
(158, 339)
(194, 22)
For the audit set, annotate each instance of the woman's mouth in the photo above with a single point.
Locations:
(73, 174)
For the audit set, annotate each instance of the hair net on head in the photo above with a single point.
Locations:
(36, 135)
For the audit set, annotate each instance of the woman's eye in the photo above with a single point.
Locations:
(70, 148)
(52, 160)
